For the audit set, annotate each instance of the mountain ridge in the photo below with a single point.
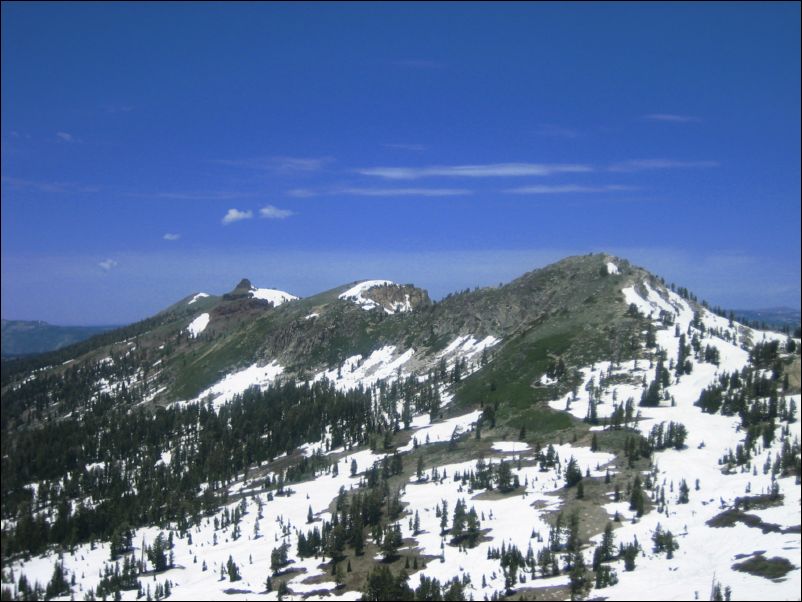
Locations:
(329, 426)
(243, 329)
(250, 331)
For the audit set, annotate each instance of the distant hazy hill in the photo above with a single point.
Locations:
(23, 337)
(775, 317)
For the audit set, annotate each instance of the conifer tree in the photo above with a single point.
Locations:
(391, 542)
(636, 498)
(573, 474)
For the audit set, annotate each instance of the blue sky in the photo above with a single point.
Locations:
(151, 150)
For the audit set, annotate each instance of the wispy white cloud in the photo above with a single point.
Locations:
(271, 212)
(66, 137)
(650, 164)
(235, 215)
(568, 189)
(405, 191)
(379, 192)
(191, 195)
(171, 236)
(474, 171)
(303, 193)
(278, 164)
(407, 147)
(299, 163)
(671, 118)
(46, 186)
(108, 264)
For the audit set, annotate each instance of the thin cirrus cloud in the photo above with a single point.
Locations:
(271, 212)
(46, 186)
(278, 164)
(379, 192)
(568, 189)
(391, 192)
(171, 236)
(67, 137)
(652, 164)
(108, 264)
(219, 195)
(304, 193)
(489, 170)
(671, 118)
(235, 215)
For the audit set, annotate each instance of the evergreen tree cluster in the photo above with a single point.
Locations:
(664, 542)
(381, 585)
(134, 487)
(465, 526)
(663, 436)
(754, 397)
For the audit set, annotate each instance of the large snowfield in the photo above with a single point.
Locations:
(705, 553)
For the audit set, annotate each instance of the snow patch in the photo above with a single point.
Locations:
(442, 431)
(238, 382)
(275, 297)
(546, 380)
(400, 306)
(198, 325)
(355, 293)
(355, 371)
(196, 297)
(467, 346)
(510, 446)
(167, 457)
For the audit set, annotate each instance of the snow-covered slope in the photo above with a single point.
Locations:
(238, 382)
(276, 297)
(196, 297)
(453, 446)
(198, 325)
(356, 293)
(705, 552)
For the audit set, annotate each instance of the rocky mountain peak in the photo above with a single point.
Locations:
(398, 298)
(241, 291)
